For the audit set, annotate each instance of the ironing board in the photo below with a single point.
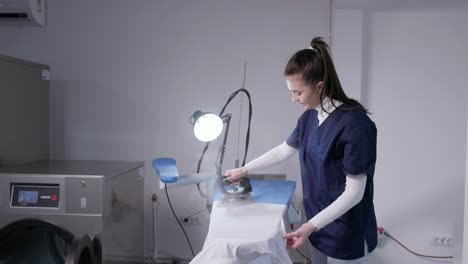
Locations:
(250, 233)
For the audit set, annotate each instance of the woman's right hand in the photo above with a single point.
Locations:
(234, 175)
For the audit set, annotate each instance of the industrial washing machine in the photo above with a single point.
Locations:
(84, 212)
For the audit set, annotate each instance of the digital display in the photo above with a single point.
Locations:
(35, 195)
(28, 197)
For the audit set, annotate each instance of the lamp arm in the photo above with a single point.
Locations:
(227, 120)
(247, 138)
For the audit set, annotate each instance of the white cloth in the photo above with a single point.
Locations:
(251, 233)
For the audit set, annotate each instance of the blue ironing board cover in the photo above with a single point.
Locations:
(268, 191)
(166, 169)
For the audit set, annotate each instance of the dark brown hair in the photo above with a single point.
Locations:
(315, 64)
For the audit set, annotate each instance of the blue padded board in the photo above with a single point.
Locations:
(268, 191)
(166, 169)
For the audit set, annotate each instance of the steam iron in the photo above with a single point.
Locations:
(235, 194)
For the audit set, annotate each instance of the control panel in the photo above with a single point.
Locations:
(35, 195)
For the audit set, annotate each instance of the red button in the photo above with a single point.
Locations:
(54, 197)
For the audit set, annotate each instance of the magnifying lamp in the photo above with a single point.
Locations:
(206, 126)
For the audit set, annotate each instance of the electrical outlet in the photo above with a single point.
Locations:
(380, 236)
(442, 240)
(149, 260)
(193, 220)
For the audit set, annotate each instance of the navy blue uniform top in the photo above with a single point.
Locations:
(344, 144)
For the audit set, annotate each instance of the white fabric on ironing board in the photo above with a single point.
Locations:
(251, 233)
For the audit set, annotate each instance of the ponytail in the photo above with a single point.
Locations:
(315, 64)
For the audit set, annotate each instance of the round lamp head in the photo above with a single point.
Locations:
(207, 127)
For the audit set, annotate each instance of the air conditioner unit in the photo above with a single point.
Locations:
(22, 12)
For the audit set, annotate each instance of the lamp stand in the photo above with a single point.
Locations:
(226, 119)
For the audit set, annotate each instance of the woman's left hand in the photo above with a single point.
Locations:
(297, 238)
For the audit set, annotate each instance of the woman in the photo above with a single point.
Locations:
(336, 142)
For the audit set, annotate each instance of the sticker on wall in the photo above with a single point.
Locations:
(45, 75)
(83, 202)
(140, 173)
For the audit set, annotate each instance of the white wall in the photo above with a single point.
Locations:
(462, 217)
(126, 76)
(414, 79)
(347, 50)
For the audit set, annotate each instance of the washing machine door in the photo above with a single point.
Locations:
(36, 241)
